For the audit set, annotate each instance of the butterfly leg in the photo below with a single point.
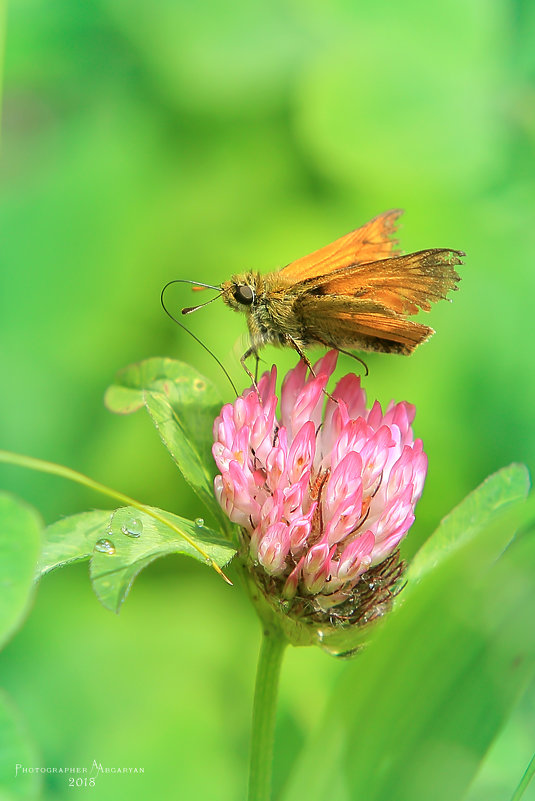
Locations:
(291, 341)
(294, 344)
(347, 353)
(357, 359)
(245, 356)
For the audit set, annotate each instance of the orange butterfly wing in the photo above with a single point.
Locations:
(403, 284)
(364, 306)
(357, 291)
(341, 322)
(369, 243)
(378, 332)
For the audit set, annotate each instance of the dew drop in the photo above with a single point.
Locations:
(132, 527)
(199, 522)
(105, 546)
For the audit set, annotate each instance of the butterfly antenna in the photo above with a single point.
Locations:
(198, 284)
(190, 309)
(186, 311)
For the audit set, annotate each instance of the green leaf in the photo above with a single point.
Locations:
(123, 541)
(72, 539)
(16, 749)
(416, 711)
(525, 780)
(183, 405)
(508, 485)
(20, 541)
(112, 573)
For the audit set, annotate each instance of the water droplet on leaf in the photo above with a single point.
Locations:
(199, 522)
(132, 527)
(105, 546)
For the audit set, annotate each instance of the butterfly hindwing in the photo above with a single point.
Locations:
(359, 324)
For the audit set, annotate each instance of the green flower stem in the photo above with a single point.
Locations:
(73, 475)
(525, 780)
(264, 713)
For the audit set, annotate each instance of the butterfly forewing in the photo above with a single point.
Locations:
(368, 243)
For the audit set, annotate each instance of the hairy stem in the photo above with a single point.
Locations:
(73, 475)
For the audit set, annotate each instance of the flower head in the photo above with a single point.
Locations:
(323, 500)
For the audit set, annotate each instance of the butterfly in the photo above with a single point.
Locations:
(355, 293)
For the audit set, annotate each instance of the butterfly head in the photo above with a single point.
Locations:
(241, 292)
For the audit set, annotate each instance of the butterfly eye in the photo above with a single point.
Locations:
(244, 294)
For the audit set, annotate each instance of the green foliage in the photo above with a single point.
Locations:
(72, 539)
(20, 541)
(123, 542)
(112, 574)
(525, 780)
(143, 142)
(505, 487)
(182, 405)
(16, 749)
(414, 715)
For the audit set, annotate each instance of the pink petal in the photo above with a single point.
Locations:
(316, 567)
(345, 483)
(302, 452)
(375, 416)
(352, 561)
(374, 456)
(273, 548)
(290, 588)
(292, 385)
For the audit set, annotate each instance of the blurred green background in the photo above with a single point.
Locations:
(149, 141)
